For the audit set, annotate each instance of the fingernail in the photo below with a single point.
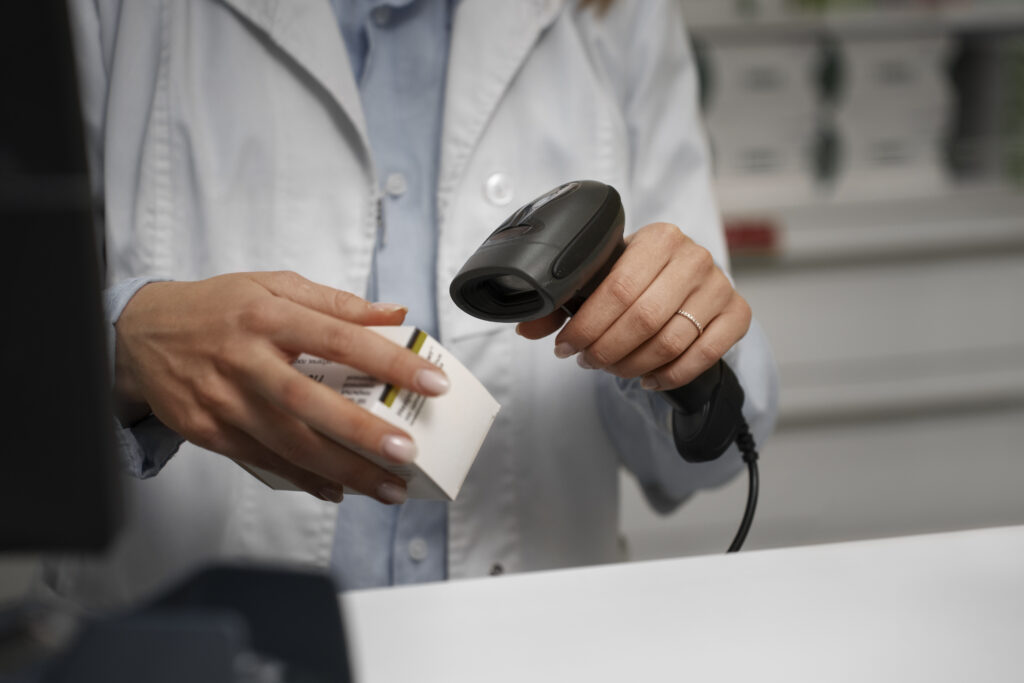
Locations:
(398, 448)
(432, 382)
(392, 493)
(564, 349)
(387, 308)
(332, 495)
(649, 383)
(583, 362)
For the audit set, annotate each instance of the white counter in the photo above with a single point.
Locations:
(944, 607)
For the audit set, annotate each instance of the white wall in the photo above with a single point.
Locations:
(854, 480)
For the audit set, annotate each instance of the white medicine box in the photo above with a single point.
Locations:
(448, 430)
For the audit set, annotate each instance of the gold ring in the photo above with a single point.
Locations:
(689, 316)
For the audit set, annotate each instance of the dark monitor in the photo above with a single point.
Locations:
(58, 473)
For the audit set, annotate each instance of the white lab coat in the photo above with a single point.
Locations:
(229, 137)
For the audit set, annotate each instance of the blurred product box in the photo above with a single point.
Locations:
(764, 160)
(894, 72)
(748, 79)
(847, 99)
(761, 112)
(892, 114)
(889, 156)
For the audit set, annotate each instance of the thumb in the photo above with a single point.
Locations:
(542, 327)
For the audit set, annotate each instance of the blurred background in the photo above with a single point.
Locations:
(870, 165)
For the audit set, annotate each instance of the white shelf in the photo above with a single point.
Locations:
(893, 305)
(980, 17)
(866, 228)
(824, 392)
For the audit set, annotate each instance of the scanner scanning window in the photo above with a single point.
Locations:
(510, 285)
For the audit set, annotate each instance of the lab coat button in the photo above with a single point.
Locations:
(381, 15)
(498, 189)
(395, 185)
(418, 549)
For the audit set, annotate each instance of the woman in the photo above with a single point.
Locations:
(370, 148)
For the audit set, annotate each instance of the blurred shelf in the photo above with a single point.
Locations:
(993, 17)
(891, 306)
(957, 221)
(714, 23)
(890, 387)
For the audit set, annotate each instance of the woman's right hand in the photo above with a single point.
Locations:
(212, 360)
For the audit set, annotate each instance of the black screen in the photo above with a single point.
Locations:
(58, 479)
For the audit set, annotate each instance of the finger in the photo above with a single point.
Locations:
(632, 274)
(333, 302)
(301, 330)
(719, 336)
(678, 332)
(297, 443)
(542, 327)
(217, 435)
(328, 412)
(247, 451)
(643, 321)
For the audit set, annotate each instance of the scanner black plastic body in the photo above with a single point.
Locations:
(549, 254)
(708, 413)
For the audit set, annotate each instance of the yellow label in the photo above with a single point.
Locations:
(415, 344)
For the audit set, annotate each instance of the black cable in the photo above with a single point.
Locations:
(747, 447)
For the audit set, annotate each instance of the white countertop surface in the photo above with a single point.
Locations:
(942, 607)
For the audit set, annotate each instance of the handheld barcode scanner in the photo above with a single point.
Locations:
(553, 253)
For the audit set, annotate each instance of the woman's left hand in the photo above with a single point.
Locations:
(631, 326)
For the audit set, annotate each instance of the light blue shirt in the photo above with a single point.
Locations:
(399, 53)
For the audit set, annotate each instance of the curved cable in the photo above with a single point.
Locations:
(747, 447)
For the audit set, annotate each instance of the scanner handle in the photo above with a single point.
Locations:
(707, 413)
(572, 306)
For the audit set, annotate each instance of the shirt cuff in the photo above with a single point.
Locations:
(640, 427)
(115, 298)
(147, 445)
